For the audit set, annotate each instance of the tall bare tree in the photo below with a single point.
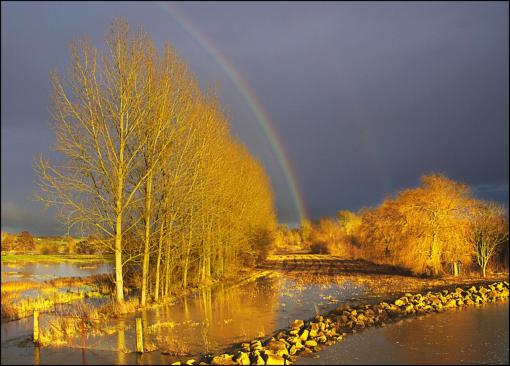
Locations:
(97, 110)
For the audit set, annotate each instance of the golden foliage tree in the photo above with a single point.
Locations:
(422, 229)
(150, 168)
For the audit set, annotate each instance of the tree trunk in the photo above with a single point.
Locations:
(119, 282)
(146, 252)
(160, 245)
(456, 268)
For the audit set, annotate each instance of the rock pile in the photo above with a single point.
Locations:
(303, 338)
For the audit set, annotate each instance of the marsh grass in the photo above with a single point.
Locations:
(21, 298)
(173, 347)
(157, 327)
(113, 310)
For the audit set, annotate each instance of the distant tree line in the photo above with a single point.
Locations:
(151, 170)
(436, 228)
(20, 243)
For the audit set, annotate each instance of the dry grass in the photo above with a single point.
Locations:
(173, 347)
(82, 319)
(20, 286)
(15, 306)
(21, 298)
(112, 309)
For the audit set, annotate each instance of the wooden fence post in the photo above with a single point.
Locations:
(36, 326)
(139, 335)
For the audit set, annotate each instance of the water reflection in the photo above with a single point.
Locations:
(213, 318)
(37, 355)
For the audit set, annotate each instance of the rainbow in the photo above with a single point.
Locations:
(251, 100)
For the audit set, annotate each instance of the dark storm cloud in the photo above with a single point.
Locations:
(365, 97)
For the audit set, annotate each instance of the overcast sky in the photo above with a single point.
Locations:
(365, 97)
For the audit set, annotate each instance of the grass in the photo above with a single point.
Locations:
(20, 299)
(62, 329)
(72, 258)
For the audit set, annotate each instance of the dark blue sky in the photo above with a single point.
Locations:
(365, 97)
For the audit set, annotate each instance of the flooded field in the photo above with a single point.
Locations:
(206, 321)
(212, 320)
(28, 271)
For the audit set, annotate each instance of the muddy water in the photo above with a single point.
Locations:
(214, 319)
(48, 271)
(469, 335)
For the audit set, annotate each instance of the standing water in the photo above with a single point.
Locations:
(212, 320)
(13, 271)
(466, 335)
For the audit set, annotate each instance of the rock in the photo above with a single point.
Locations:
(369, 313)
(304, 335)
(360, 324)
(293, 340)
(242, 358)
(224, 359)
(322, 326)
(277, 347)
(190, 362)
(272, 359)
(314, 328)
(322, 339)
(280, 335)
(257, 359)
(176, 363)
(297, 324)
(256, 345)
(292, 350)
(287, 344)
(311, 343)
(399, 303)
(245, 347)
(451, 304)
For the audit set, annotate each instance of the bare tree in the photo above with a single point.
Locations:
(96, 115)
(489, 230)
